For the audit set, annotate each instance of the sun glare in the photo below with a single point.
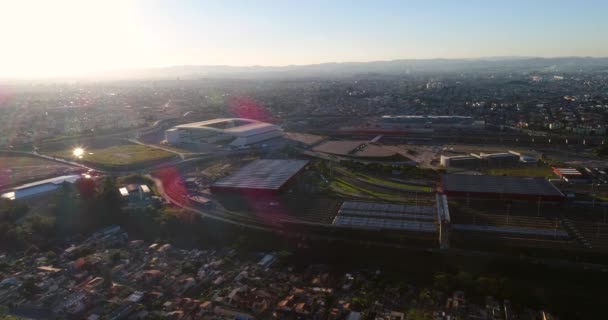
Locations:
(78, 152)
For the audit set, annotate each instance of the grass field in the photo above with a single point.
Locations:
(341, 186)
(393, 184)
(118, 155)
(531, 171)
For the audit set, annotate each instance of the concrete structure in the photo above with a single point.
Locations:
(498, 160)
(460, 162)
(236, 132)
(38, 188)
(265, 176)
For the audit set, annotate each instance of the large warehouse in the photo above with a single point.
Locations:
(426, 121)
(39, 187)
(266, 176)
(236, 132)
(497, 187)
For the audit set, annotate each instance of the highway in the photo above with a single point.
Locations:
(480, 138)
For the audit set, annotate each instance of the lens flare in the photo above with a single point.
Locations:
(78, 152)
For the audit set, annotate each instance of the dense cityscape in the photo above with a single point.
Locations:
(292, 160)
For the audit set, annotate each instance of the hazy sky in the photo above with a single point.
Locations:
(63, 37)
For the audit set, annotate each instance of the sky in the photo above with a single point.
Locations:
(43, 38)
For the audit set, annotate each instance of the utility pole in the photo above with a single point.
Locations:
(592, 195)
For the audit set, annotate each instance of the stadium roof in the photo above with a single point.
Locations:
(209, 123)
(459, 184)
(234, 126)
(265, 174)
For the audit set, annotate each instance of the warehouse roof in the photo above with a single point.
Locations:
(265, 174)
(499, 185)
(377, 215)
(38, 187)
(238, 127)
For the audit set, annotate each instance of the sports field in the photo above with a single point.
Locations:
(120, 155)
(531, 171)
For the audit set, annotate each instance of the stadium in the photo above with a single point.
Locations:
(236, 132)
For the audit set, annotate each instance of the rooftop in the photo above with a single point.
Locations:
(499, 185)
(376, 215)
(38, 187)
(56, 180)
(268, 174)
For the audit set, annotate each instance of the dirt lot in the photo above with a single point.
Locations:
(338, 147)
(422, 154)
(305, 138)
(20, 169)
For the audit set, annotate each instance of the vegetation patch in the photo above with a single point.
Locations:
(392, 184)
(544, 171)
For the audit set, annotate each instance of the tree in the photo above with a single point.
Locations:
(115, 257)
(425, 297)
(110, 203)
(464, 279)
(10, 210)
(87, 188)
(418, 314)
(29, 287)
(441, 281)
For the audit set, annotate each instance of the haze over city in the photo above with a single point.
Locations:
(310, 160)
(85, 38)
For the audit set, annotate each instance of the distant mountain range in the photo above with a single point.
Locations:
(394, 67)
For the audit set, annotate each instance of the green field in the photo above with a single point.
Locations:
(118, 155)
(532, 171)
(388, 183)
(345, 188)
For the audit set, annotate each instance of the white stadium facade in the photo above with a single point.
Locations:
(236, 132)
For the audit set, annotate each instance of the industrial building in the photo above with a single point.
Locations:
(428, 122)
(39, 187)
(571, 175)
(135, 192)
(487, 160)
(265, 176)
(430, 223)
(498, 160)
(500, 187)
(236, 132)
(460, 162)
